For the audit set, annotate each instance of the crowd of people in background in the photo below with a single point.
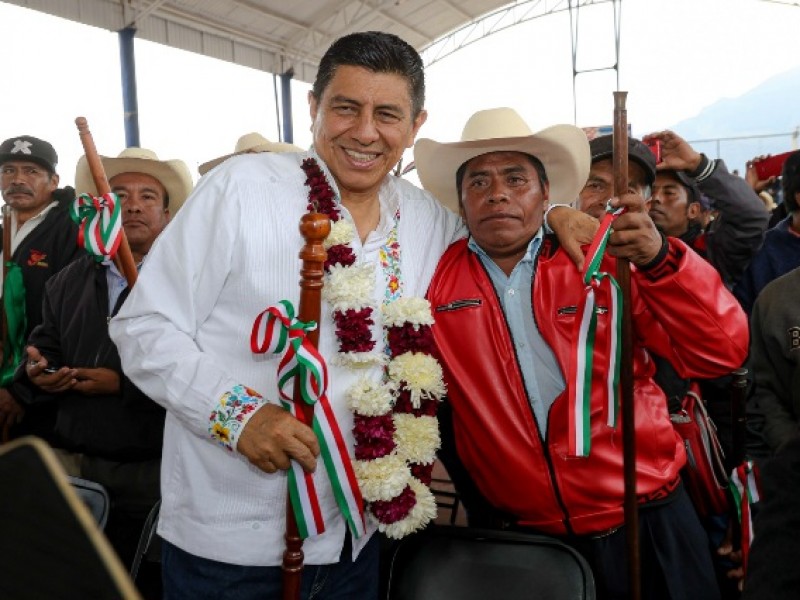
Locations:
(152, 389)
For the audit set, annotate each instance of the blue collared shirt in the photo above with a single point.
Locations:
(540, 371)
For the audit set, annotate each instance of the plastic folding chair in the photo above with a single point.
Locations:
(443, 563)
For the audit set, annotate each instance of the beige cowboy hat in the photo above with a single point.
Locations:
(250, 143)
(562, 149)
(173, 174)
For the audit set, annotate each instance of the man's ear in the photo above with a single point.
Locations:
(419, 121)
(694, 210)
(312, 106)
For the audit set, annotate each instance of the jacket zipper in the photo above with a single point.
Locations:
(545, 447)
(542, 440)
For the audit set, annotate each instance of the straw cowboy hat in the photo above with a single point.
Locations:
(173, 174)
(250, 143)
(562, 149)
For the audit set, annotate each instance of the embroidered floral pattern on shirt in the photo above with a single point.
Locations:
(228, 418)
(389, 257)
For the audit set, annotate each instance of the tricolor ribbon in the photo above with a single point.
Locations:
(100, 224)
(277, 331)
(745, 486)
(584, 344)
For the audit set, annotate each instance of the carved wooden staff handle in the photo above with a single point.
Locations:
(123, 259)
(314, 227)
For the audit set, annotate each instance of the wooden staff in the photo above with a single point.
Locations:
(739, 415)
(314, 227)
(738, 389)
(5, 435)
(620, 165)
(123, 258)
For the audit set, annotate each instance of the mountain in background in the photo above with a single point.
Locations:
(771, 109)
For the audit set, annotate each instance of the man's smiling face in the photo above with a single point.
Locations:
(362, 124)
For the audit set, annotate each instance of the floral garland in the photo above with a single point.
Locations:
(395, 427)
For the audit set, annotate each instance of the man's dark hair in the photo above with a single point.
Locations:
(379, 52)
(790, 180)
(537, 164)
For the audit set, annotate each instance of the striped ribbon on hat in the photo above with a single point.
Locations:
(584, 344)
(745, 486)
(100, 224)
(277, 331)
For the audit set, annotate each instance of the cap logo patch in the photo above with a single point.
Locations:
(22, 146)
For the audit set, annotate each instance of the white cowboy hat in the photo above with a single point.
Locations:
(562, 149)
(250, 143)
(173, 174)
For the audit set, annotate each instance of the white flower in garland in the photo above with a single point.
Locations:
(342, 233)
(350, 287)
(423, 512)
(382, 479)
(422, 374)
(411, 309)
(370, 398)
(417, 437)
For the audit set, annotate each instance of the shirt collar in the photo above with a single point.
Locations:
(530, 252)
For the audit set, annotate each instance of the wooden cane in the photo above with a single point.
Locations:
(5, 435)
(620, 166)
(123, 258)
(738, 388)
(314, 227)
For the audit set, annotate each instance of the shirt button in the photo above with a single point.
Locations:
(512, 291)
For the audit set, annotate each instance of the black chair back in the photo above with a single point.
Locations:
(445, 563)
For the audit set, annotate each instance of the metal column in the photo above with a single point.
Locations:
(129, 101)
(286, 105)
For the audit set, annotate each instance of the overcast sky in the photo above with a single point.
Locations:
(677, 57)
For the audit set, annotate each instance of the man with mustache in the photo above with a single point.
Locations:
(106, 430)
(43, 241)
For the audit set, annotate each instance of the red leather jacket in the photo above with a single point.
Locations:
(685, 314)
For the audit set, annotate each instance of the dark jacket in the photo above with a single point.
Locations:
(772, 572)
(775, 357)
(51, 246)
(737, 232)
(74, 333)
(779, 255)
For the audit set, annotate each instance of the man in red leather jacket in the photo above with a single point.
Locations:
(507, 304)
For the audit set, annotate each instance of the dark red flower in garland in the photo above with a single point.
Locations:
(374, 436)
(320, 194)
(341, 255)
(391, 511)
(422, 472)
(407, 339)
(353, 330)
(402, 404)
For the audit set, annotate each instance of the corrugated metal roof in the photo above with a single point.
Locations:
(270, 35)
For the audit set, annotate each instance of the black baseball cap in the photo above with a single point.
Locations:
(602, 147)
(29, 148)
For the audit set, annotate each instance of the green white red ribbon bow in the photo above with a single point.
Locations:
(277, 331)
(100, 222)
(745, 486)
(584, 344)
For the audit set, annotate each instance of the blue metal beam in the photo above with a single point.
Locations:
(130, 104)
